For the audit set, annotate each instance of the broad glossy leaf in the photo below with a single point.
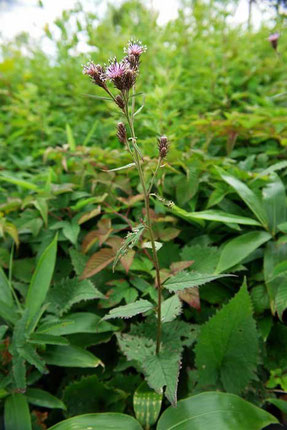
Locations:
(139, 307)
(41, 279)
(147, 405)
(249, 197)
(70, 356)
(44, 399)
(237, 249)
(216, 411)
(16, 413)
(104, 421)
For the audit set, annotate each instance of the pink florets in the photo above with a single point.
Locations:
(273, 39)
(135, 48)
(115, 70)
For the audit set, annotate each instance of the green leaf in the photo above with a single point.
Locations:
(170, 309)
(19, 182)
(95, 396)
(105, 421)
(19, 371)
(47, 339)
(248, 196)
(6, 294)
(237, 249)
(281, 296)
(220, 216)
(44, 399)
(71, 231)
(29, 354)
(274, 199)
(147, 405)
(187, 280)
(130, 241)
(16, 413)
(78, 322)
(70, 356)
(130, 310)
(70, 137)
(216, 411)
(231, 332)
(160, 370)
(8, 313)
(279, 403)
(63, 295)
(127, 166)
(41, 279)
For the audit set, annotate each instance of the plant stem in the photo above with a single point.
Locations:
(146, 192)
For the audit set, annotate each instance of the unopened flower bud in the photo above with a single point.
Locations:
(129, 79)
(119, 101)
(122, 133)
(273, 39)
(163, 146)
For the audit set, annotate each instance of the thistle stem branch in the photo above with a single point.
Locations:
(130, 120)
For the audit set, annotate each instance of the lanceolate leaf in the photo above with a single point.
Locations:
(235, 250)
(216, 411)
(231, 332)
(130, 310)
(103, 421)
(70, 356)
(44, 399)
(187, 280)
(130, 241)
(5, 290)
(249, 197)
(41, 279)
(17, 415)
(220, 216)
(274, 199)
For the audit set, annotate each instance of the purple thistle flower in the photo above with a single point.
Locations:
(273, 39)
(135, 48)
(95, 71)
(115, 70)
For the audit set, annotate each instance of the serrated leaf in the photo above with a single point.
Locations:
(231, 332)
(248, 196)
(29, 354)
(187, 280)
(98, 262)
(130, 310)
(130, 241)
(170, 309)
(71, 231)
(70, 356)
(237, 249)
(63, 295)
(216, 411)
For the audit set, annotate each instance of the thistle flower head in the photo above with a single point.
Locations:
(163, 146)
(95, 71)
(135, 47)
(273, 39)
(115, 70)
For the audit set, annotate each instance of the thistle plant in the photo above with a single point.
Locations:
(123, 75)
(156, 345)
